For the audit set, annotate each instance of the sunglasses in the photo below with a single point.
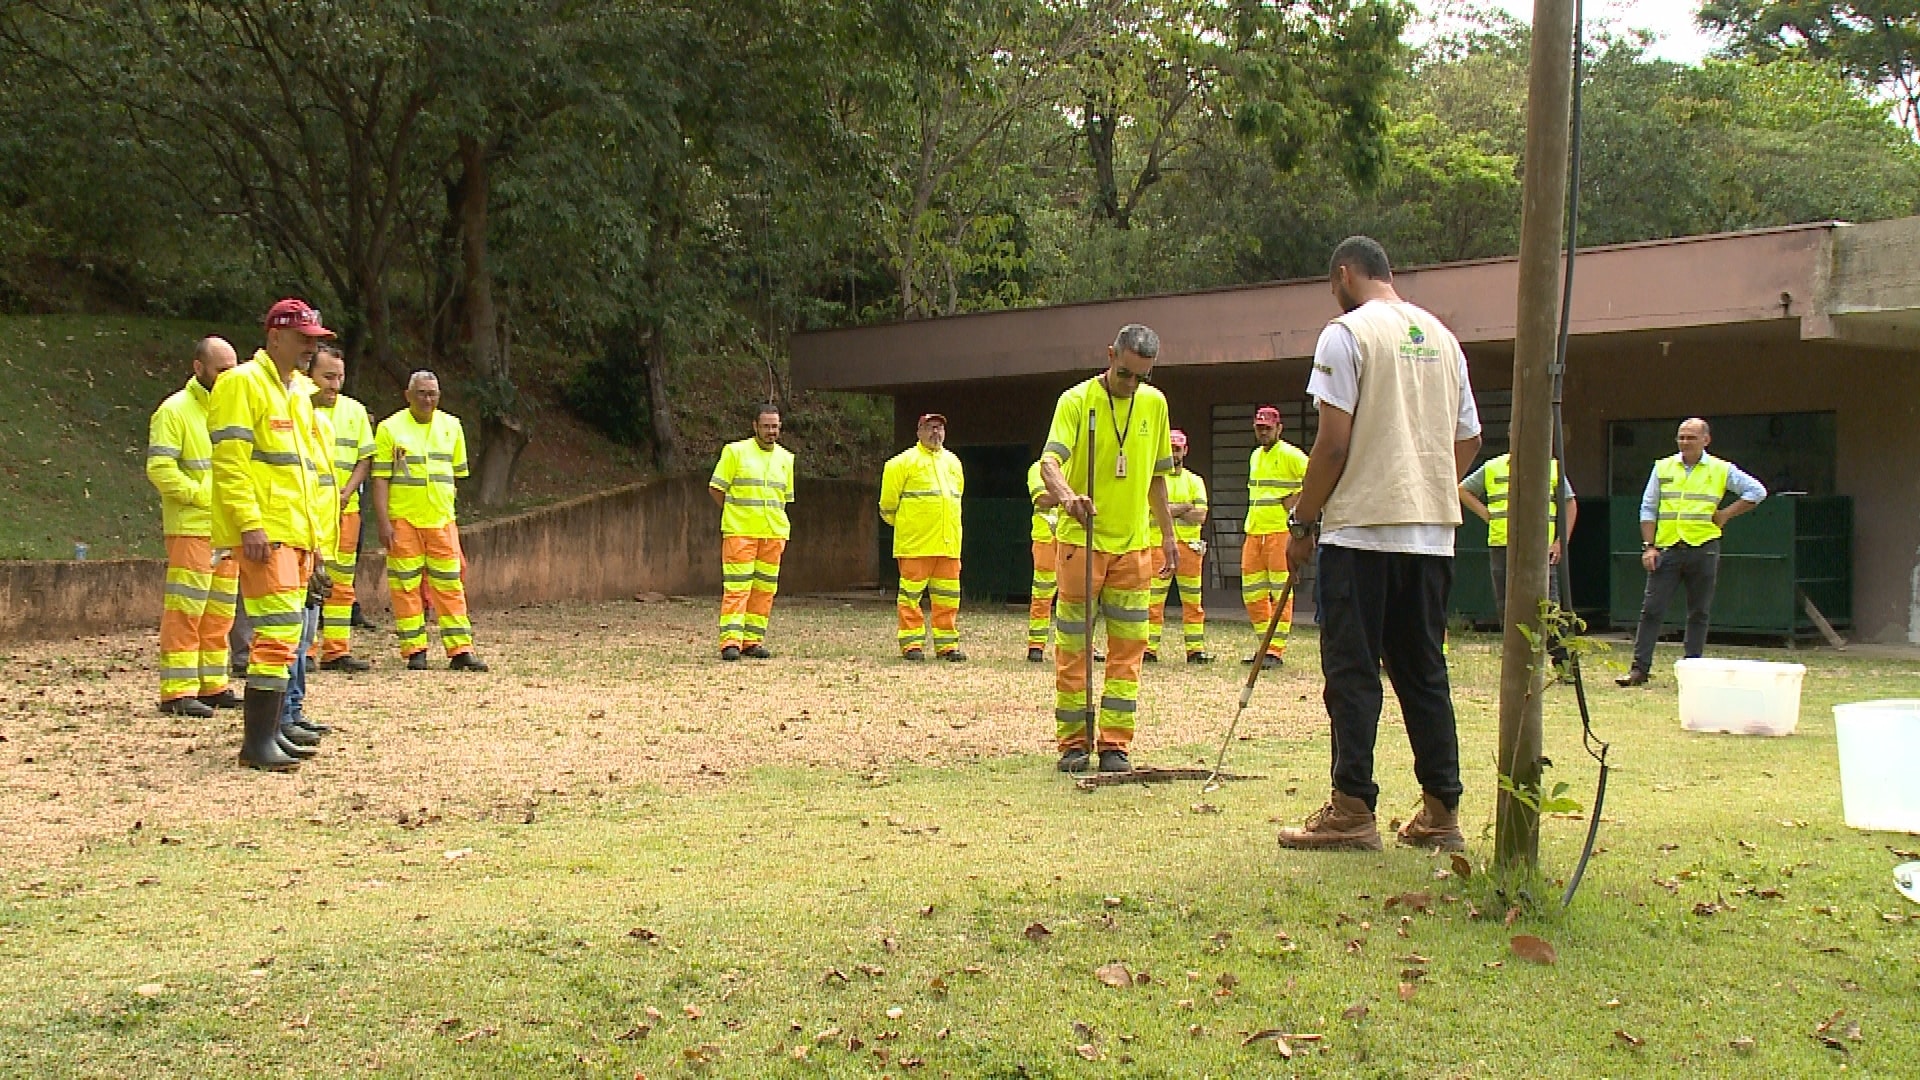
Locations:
(1134, 376)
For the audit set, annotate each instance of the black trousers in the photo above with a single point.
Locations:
(1682, 564)
(1385, 606)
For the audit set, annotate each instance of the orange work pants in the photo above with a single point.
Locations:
(750, 575)
(1263, 576)
(195, 615)
(425, 564)
(1120, 588)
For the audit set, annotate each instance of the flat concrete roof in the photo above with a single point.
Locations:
(1821, 281)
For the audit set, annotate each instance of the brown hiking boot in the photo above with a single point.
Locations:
(1434, 826)
(1344, 823)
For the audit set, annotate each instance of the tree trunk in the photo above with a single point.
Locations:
(666, 432)
(502, 434)
(1101, 128)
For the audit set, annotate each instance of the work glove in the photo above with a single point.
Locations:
(318, 586)
(1199, 546)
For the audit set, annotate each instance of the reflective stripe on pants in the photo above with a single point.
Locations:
(274, 593)
(196, 613)
(1193, 614)
(1120, 588)
(1040, 607)
(750, 576)
(336, 616)
(938, 577)
(1263, 574)
(424, 564)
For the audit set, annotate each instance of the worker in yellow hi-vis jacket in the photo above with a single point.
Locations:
(197, 610)
(920, 491)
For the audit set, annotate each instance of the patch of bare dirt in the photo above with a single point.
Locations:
(582, 702)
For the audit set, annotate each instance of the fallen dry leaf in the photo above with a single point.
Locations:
(1407, 991)
(1413, 901)
(1743, 1045)
(694, 1012)
(832, 974)
(1085, 1050)
(1115, 975)
(637, 1031)
(1630, 1040)
(1083, 1031)
(871, 971)
(827, 1035)
(1513, 915)
(644, 934)
(1354, 1012)
(477, 1033)
(1536, 949)
(1037, 932)
(896, 1012)
(1462, 868)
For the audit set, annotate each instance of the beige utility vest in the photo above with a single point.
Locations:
(1400, 468)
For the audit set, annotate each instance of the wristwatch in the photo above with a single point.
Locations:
(1648, 545)
(1302, 530)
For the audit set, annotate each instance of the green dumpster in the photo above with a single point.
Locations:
(1787, 546)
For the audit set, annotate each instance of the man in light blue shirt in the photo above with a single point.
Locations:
(1680, 523)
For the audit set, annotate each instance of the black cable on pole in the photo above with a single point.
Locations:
(1594, 746)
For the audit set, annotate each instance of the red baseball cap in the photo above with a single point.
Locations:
(1266, 414)
(1179, 439)
(296, 314)
(933, 417)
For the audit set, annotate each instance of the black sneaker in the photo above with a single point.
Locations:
(1073, 761)
(1270, 661)
(225, 699)
(1150, 657)
(914, 655)
(345, 663)
(1115, 761)
(1199, 656)
(1036, 654)
(730, 653)
(954, 656)
(186, 706)
(418, 661)
(757, 651)
(466, 661)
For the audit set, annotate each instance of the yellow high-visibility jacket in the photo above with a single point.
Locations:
(352, 441)
(920, 493)
(180, 461)
(432, 456)
(1274, 473)
(1184, 486)
(267, 457)
(1046, 523)
(756, 486)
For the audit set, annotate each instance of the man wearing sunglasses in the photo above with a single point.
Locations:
(1127, 466)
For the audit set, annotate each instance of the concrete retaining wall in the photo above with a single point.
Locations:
(659, 537)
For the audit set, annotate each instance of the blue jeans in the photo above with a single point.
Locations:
(297, 675)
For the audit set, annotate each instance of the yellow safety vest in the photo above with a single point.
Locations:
(1184, 486)
(1046, 523)
(757, 485)
(1688, 500)
(920, 493)
(1274, 473)
(420, 481)
(1499, 475)
(267, 458)
(352, 440)
(1135, 427)
(180, 461)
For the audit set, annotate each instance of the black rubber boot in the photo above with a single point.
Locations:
(297, 734)
(259, 747)
(418, 661)
(225, 699)
(293, 749)
(186, 706)
(1073, 761)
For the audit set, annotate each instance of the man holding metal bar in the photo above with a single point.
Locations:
(1106, 463)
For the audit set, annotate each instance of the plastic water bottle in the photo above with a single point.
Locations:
(80, 550)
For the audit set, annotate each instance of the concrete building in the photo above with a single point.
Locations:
(1801, 344)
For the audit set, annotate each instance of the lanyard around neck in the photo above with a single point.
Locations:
(1113, 416)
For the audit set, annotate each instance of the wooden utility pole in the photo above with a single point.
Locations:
(1543, 209)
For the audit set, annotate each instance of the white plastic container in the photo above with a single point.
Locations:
(1880, 763)
(1745, 697)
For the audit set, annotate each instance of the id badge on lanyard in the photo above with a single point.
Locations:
(1120, 465)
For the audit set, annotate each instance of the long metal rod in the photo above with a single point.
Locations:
(1246, 692)
(1093, 433)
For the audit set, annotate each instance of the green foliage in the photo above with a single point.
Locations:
(1874, 43)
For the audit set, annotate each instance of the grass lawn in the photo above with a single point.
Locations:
(615, 856)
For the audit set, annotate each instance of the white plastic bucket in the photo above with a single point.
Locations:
(1745, 697)
(1880, 763)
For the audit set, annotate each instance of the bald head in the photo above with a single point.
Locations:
(1693, 437)
(212, 358)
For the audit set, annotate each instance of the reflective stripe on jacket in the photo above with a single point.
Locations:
(420, 463)
(756, 486)
(180, 462)
(352, 441)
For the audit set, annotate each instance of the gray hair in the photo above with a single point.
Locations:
(423, 375)
(1137, 339)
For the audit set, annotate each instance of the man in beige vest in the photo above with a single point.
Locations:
(1398, 429)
